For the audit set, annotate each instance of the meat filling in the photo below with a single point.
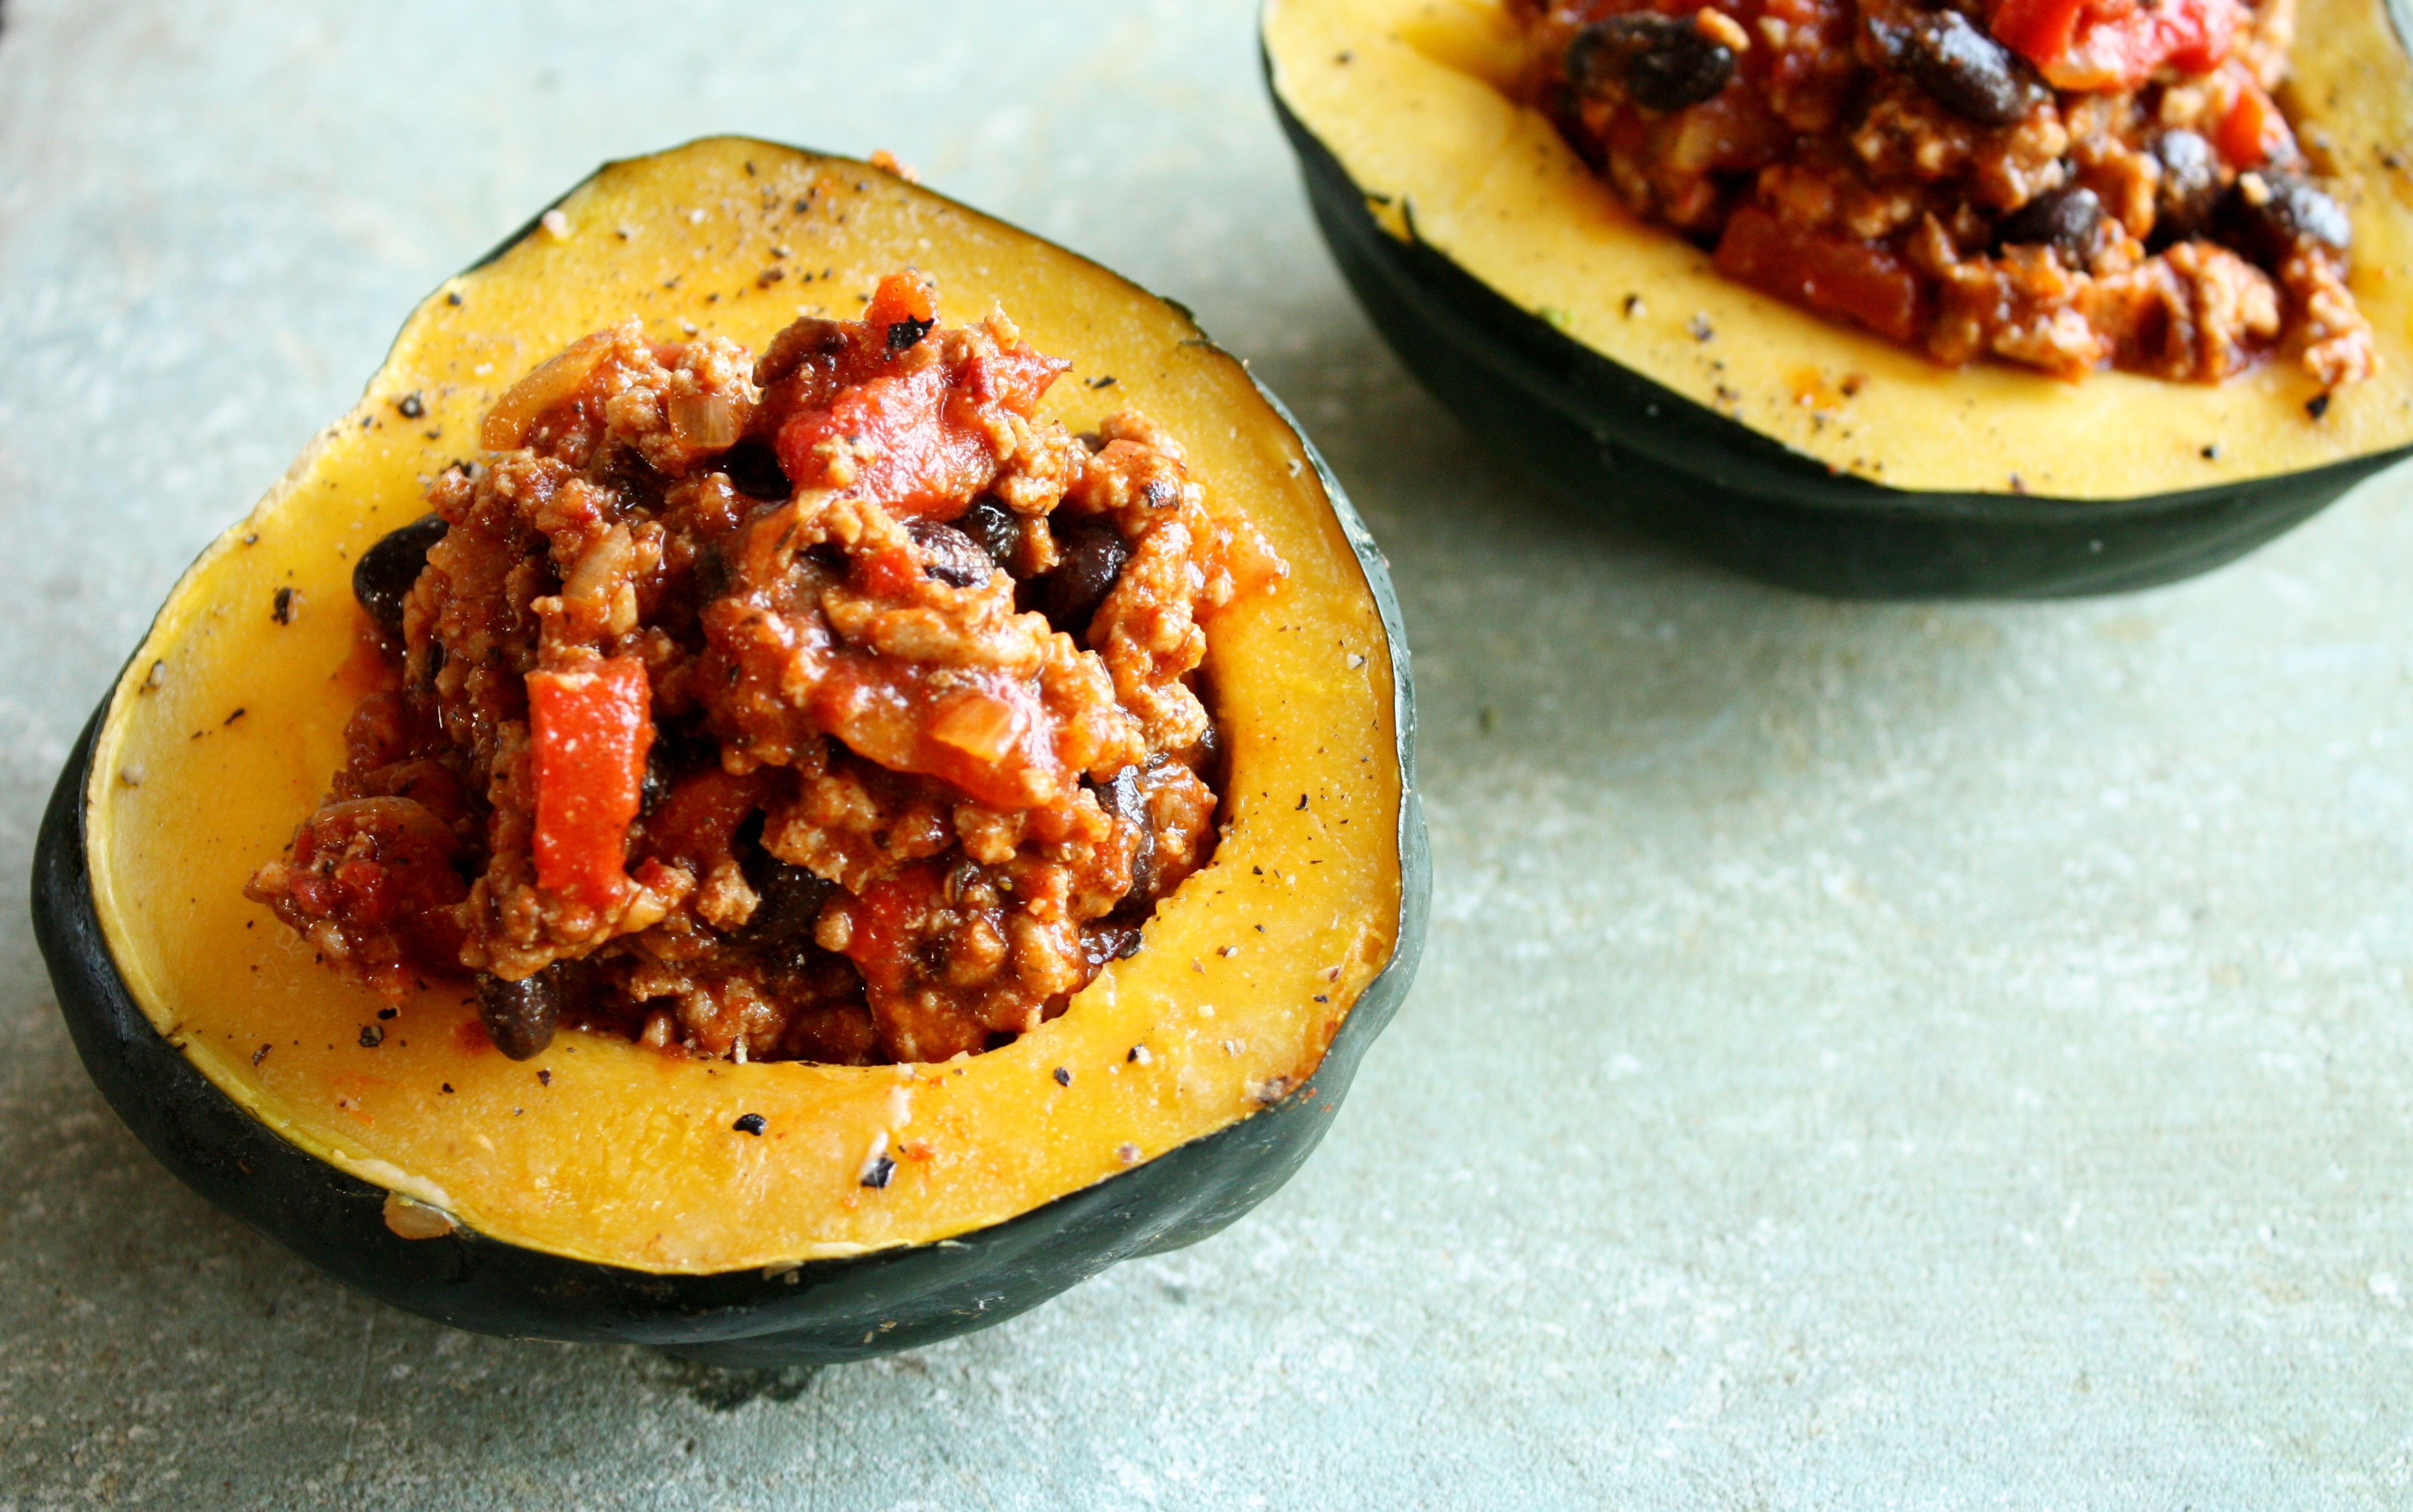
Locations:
(2066, 184)
(830, 705)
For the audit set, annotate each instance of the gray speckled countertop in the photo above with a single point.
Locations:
(1865, 1056)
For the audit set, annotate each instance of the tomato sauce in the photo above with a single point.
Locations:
(831, 705)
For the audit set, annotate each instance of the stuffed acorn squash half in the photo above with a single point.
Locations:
(1614, 356)
(494, 1150)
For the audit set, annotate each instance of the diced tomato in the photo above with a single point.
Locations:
(693, 826)
(1832, 274)
(1016, 377)
(890, 440)
(374, 862)
(900, 436)
(2196, 35)
(2116, 44)
(589, 728)
(887, 921)
(2037, 30)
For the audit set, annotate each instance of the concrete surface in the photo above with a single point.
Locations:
(1867, 1057)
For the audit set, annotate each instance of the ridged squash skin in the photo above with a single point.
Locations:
(613, 1200)
(1610, 361)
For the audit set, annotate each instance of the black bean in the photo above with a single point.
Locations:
(656, 785)
(1120, 796)
(996, 528)
(1090, 555)
(1962, 68)
(2065, 219)
(713, 572)
(2291, 213)
(950, 556)
(751, 1123)
(639, 484)
(519, 1016)
(678, 749)
(1682, 68)
(383, 575)
(1207, 757)
(1115, 939)
(903, 334)
(754, 471)
(1596, 60)
(1664, 62)
(790, 897)
(2189, 191)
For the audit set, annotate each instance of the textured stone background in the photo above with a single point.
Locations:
(1865, 1056)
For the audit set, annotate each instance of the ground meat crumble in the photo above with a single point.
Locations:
(829, 706)
(2065, 183)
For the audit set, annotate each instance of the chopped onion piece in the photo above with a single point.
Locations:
(704, 420)
(508, 423)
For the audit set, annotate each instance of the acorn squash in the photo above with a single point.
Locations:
(607, 1190)
(1617, 363)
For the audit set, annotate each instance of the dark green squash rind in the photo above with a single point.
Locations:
(821, 1312)
(1606, 437)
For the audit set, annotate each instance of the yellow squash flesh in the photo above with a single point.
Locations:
(602, 1151)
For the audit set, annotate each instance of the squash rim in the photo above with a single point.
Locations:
(1334, 503)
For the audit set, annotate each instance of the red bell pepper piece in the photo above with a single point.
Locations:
(2039, 31)
(2251, 130)
(2115, 44)
(590, 727)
